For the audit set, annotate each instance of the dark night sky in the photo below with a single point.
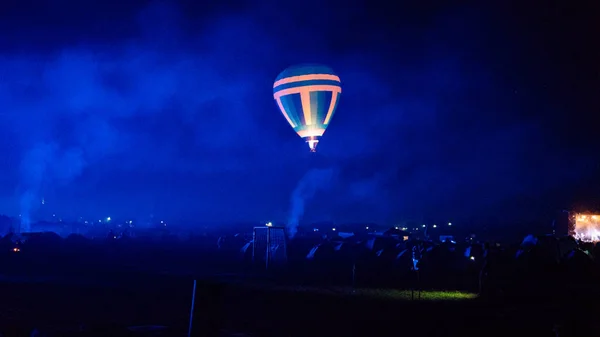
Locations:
(457, 110)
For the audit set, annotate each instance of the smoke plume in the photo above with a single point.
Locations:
(45, 162)
(313, 181)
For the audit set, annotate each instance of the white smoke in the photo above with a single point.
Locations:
(42, 164)
(313, 181)
(33, 169)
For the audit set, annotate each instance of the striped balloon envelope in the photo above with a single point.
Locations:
(307, 96)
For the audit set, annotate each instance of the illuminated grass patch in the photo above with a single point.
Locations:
(385, 294)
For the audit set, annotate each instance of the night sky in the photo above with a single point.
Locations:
(450, 110)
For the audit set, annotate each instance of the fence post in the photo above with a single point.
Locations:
(353, 276)
(192, 309)
(268, 252)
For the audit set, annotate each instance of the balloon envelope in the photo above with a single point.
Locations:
(307, 96)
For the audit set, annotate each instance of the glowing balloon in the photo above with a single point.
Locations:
(307, 96)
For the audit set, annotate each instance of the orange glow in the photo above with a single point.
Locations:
(297, 90)
(311, 86)
(301, 78)
(311, 132)
(306, 107)
(331, 107)
(587, 227)
(282, 109)
(16, 249)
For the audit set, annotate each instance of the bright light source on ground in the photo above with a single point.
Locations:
(587, 228)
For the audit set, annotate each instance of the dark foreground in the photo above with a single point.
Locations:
(259, 309)
(82, 288)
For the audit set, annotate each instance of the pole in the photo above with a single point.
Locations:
(253, 244)
(268, 252)
(412, 288)
(192, 309)
(353, 277)
(419, 283)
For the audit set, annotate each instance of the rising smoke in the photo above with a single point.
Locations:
(45, 162)
(81, 105)
(313, 181)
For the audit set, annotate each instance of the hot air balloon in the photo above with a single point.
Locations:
(307, 96)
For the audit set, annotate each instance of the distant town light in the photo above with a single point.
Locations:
(130, 222)
(100, 220)
(367, 227)
(423, 225)
(269, 224)
(333, 229)
(108, 219)
(449, 223)
(396, 227)
(434, 226)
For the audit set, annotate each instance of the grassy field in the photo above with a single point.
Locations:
(263, 309)
(372, 293)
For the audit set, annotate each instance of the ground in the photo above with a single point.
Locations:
(262, 309)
